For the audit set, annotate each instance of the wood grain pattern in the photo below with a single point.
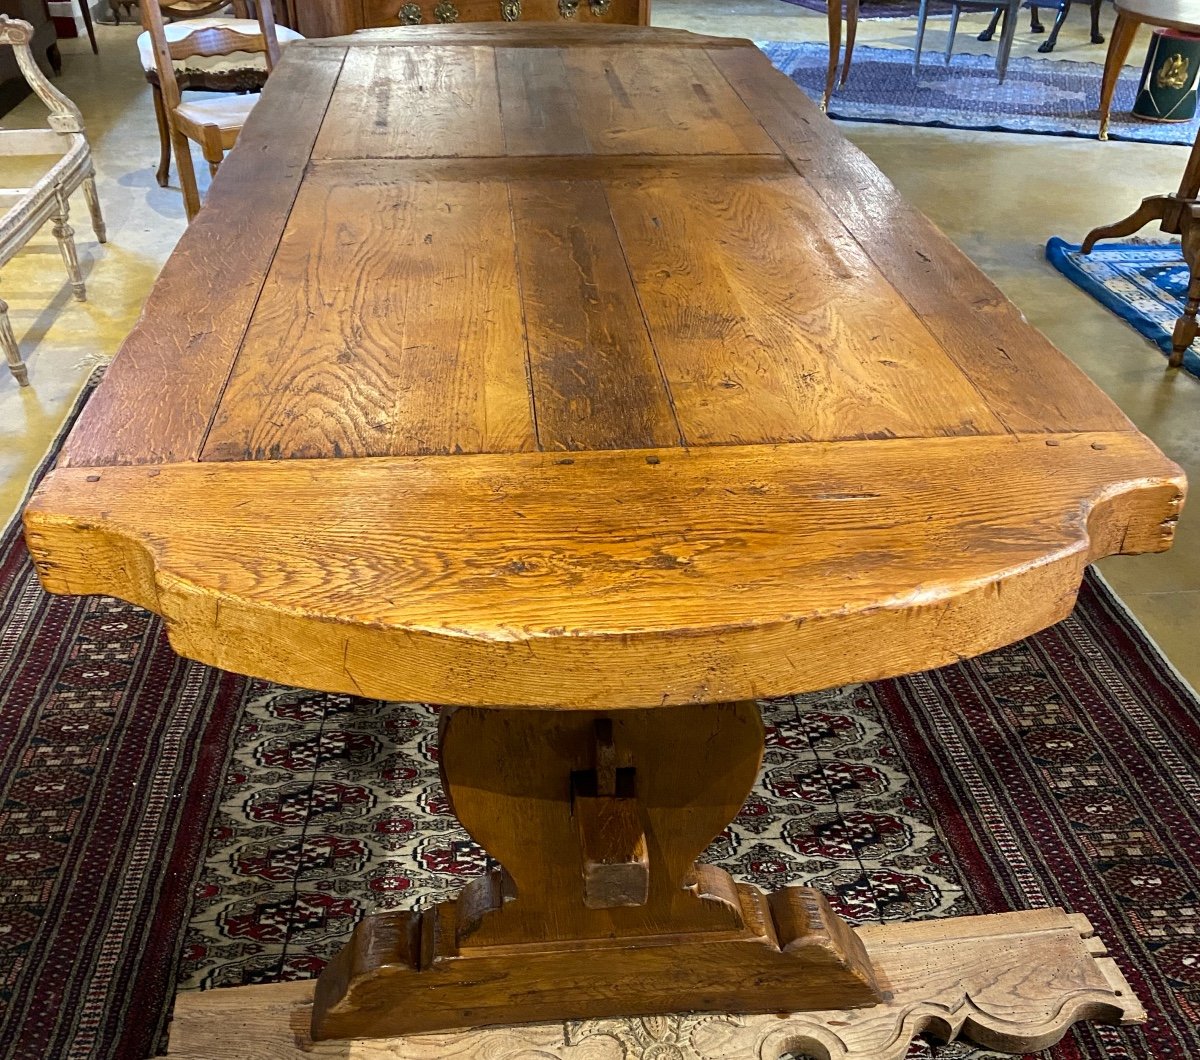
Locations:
(1025, 380)
(596, 380)
(192, 325)
(540, 115)
(1011, 981)
(609, 579)
(665, 100)
(414, 103)
(749, 284)
(403, 330)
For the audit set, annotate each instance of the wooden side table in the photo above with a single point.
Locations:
(1182, 15)
(1176, 213)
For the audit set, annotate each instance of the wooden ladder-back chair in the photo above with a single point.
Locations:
(23, 211)
(213, 122)
(236, 72)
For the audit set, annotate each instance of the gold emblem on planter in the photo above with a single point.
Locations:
(510, 10)
(410, 15)
(568, 8)
(446, 12)
(600, 7)
(1173, 73)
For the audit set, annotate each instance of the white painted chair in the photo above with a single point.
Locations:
(25, 210)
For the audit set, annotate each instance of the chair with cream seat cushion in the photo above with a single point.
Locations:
(213, 123)
(239, 72)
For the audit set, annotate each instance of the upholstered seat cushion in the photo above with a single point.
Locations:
(223, 111)
(213, 64)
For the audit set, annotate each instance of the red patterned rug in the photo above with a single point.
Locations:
(162, 820)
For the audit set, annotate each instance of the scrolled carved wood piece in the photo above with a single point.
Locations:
(1014, 982)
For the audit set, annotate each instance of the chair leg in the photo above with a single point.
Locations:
(834, 14)
(990, 32)
(1006, 38)
(955, 11)
(851, 33)
(115, 7)
(11, 351)
(922, 15)
(85, 9)
(65, 235)
(212, 148)
(1124, 30)
(1097, 36)
(1035, 23)
(187, 174)
(1048, 44)
(93, 205)
(163, 174)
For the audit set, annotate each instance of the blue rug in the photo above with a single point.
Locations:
(1143, 283)
(1055, 97)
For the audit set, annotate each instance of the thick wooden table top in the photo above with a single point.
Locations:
(581, 367)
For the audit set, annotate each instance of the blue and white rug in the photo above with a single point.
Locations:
(1055, 97)
(1143, 283)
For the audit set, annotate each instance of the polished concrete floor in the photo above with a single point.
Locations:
(999, 196)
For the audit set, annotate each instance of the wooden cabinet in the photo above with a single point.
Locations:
(332, 18)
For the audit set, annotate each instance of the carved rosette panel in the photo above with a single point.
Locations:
(445, 12)
(510, 10)
(410, 15)
(568, 8)
(599, 8)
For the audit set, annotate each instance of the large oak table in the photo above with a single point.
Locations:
(588, 382)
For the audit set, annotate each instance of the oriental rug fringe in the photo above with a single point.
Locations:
(163, 822)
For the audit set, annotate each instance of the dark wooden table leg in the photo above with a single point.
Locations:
(1187, 327)
(599, 908)
(1119, 44)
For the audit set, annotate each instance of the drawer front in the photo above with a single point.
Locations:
(416, 12)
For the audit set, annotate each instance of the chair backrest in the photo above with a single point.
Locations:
(180, 10)
(209, 41)
(184, 9)
(64, 115)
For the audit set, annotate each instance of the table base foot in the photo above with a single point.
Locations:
(404, 974)
(1014, 982)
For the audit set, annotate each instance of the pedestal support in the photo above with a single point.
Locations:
(599, 908)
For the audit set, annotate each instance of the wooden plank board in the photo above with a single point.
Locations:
(540, 114)
(660, 101)
(773, 325)
(414, 103)
(596, 380)
(1028, 383)
(609, 579)
(390, 323)
(173, 365)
